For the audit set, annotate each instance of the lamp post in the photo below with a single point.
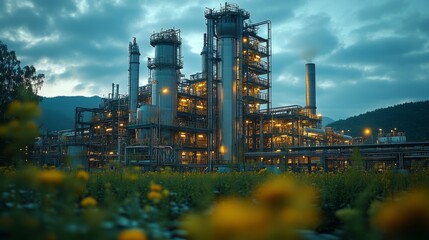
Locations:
(367, 132)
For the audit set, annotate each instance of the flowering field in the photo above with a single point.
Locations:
(126, 203)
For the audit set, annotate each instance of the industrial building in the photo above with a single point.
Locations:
(221, 115)
(218, 118)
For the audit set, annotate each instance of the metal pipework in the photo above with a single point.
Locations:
(133, 79)
(310, 88)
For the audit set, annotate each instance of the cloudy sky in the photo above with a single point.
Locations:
(368, 54)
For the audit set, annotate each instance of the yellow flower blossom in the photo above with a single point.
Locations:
(165, 193)
(132, 234)
(82, 175)
(406, 217)
(154, 196)
(50, 177)
(155, 187)
(131, 176)
(234, 217)
(88, 202)
(277, 192)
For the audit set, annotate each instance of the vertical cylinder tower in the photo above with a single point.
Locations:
(310, 88)
(133, 79)
(165, 68)
(229, 31)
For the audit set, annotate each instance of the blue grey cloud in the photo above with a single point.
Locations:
(368, 54)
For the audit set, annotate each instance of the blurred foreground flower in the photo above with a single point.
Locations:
(132, 234)
(157, 193)
(88, 202)
(277, 210)
(405, 218)
(50, 177)
(21, 130)
(82, 175)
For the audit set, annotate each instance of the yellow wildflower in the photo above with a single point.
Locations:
(277, 192)
(51, 177)
(82, 175)
(132, 177)
(154, 196)
(165, 193)
(88, 202)
(238, 218)
(155, 187)
(132, 234)
(406, 217)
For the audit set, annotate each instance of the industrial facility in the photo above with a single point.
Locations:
(221, 116)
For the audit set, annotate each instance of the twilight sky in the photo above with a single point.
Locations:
(368, 54)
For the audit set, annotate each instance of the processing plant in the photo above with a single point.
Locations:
(219, 116)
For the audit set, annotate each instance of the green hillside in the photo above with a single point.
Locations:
(410, 118)
(58, 112)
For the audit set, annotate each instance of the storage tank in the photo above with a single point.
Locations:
(146, 114)
(133, 79)
(77, 154)
(310, 88)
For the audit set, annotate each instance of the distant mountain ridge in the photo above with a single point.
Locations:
(411, 118)
(58, 113)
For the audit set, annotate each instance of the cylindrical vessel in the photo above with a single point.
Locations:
(226, 30)
(310, 88)
(133, 79)
(165, 75)
(78, 156)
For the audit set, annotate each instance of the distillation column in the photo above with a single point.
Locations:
(165, 68)
(133, 79)
(229, 29)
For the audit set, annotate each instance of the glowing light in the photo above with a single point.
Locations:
(108, 129)
(200, 135)
(164, 90)
(367, 131)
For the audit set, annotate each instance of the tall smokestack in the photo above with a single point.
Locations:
(113, 91)
(117, 91)
(310, 88)
(133, 81)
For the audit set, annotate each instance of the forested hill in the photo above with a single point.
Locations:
(411, 118)
(58, 112)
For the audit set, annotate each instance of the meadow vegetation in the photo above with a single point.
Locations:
(116, 204)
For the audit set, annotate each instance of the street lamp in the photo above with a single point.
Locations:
(367, 132)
